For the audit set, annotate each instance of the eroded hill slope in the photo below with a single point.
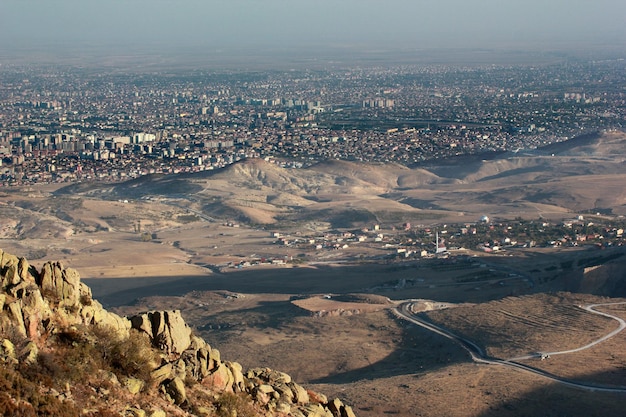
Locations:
(584, 175)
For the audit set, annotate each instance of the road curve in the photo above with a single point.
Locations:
(590, 308)
(477, 354)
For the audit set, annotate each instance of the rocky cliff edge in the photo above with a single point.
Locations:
(64, 354)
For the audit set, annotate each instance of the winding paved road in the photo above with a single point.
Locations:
(478, 355)
(590, 308)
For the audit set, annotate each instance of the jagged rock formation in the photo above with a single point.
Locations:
(36, 303)
(38, 306)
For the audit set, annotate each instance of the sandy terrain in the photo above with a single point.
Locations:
(386, 366)
(177, 243)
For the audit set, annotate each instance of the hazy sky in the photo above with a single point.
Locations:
(167, 24)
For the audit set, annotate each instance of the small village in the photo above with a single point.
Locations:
(407, 242)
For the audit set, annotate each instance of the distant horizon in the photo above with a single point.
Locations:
(39, 31)
(314, 57)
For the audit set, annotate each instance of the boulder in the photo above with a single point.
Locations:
(285, 393)
(162, 373)
(283, 407)
(14, 318)
(90, 315)
(109, 377)
(35, 312)
(220, 380)
(25, 271)
(9, 270)
(133, 385)
(214, 359)
(29, 353)
(300, 395)
(316, 410)
(11, 276)
(198, 362)
(238, 379)
(346, 411)
(6, 259)
(179, 369)
(111, 320)
(175, 389)
(204, 411)
(142, 323)
(134, 412)
(265, 389)
(63, 286)
(261, 397)
(167, 330)
(268, 375)
(283, 377)
(172, 331)
(7, 351)
(198, 343)
(202, 363)
(316, 397)
(335, 407)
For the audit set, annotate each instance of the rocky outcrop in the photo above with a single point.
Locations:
(167, 329)
(35, 305)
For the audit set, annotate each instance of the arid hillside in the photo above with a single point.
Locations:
(211, 245)
(586, 175)
(351, 345)
(62, 354)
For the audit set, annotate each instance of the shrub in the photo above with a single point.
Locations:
(11, 407)
(240, 405)
(18, 339)
(81, 351)
(75, 357)
(127, 356)
(48, 370)
(21, 396)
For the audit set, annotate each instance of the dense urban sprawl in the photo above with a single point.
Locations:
(68, 124)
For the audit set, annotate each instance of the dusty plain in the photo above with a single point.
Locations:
(195, 243)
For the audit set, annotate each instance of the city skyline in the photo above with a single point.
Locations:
(71, 27)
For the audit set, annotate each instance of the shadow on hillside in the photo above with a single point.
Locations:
(116, 292)
(382, 279)
(556, 400)
(267, 314)
(420, 351)
(322, 279)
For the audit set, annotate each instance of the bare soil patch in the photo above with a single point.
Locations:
(343, 304)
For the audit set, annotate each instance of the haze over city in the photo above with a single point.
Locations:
(412, 208)
(38, 29)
